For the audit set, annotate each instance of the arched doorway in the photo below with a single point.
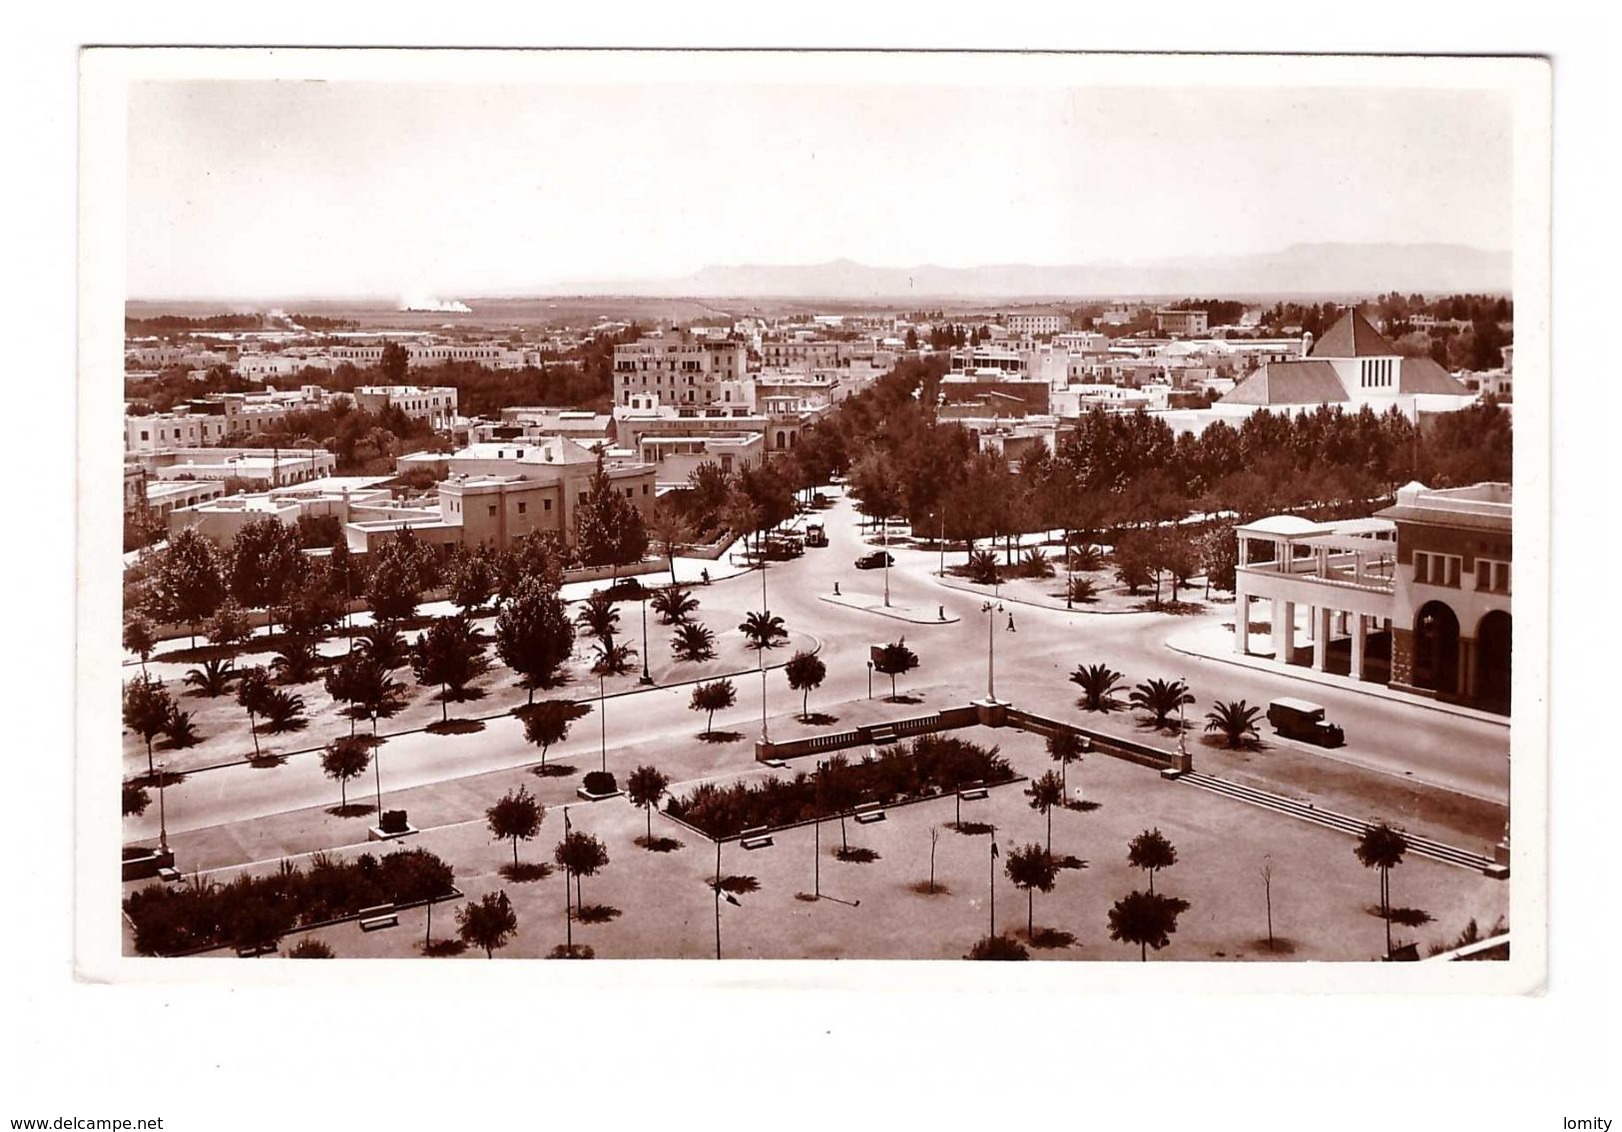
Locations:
(781, 442)
(1436, 648)
(1492, 661)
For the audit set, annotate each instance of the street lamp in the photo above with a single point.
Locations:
(870, 679)
(994, 856)
(884, 542)
(991, 609)
(647, 677)
(1182, 748)
(602, 719)
(163, 821)
(568, 908)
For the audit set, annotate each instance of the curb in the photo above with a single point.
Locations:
(887, 611)
(1329, 680)
(990, 596)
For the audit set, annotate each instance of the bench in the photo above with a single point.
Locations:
(377, 917)
(169, 873)
(973, 792)
(882, 736)
(255, 952)
(868, 813)
(755, 839)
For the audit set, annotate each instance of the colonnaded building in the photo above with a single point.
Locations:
(1416, 596)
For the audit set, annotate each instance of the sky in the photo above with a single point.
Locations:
(264, 189)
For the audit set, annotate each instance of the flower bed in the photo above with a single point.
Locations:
(201, 915)
(929, 765)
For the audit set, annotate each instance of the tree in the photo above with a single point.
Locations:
(669, 531)
(180, 729)
(488, 923)
(395, 583)
(763, 630)
(147, 709)
(895, 659)
(805, 671)
(580, 854)
(1046, 793)
(1235, 719)
(1151, 852)
(344, 758)
(718, 695)
(1381, 847)
(1064, 748)
(283, 711)
(472, 578)
(310, 949)
(135, 800)
(835, 791)
(611, 659)
(1265, 872)
(598, 615)
(364, 684)
(1098, 683)
(189, 582)
(644, 788)
(139, 640)
(693, 642)
(533, 634)
(253, 696)
(516, 817)
(449, 653)
(1146, 919)
(229, 625)
(394, 363)
(673, 604)
(212, 679)
(608, 527)
(1160, 698)
(1032, 869)
(548, 722)
(265, 564)
(297, 662)
(384, 645)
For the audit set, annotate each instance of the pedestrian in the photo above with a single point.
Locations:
(705, 575)
(1011, 628)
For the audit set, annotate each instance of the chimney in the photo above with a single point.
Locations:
(1306, 343)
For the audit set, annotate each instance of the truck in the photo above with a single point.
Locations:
(1303, 720)
(815, 535)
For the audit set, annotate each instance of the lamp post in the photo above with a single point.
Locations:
(1182, 748)
(163, 821)
(568, 908)
(994, 856)
(602, 720)
(991, 609)
(884, 542)
(647, 677)
(870, 679)
(943, 541)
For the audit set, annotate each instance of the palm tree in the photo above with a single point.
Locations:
(298, 661)
(673, 604)
(1381, 847)
(1098, 683)
(763, 630)
(384, 644)
(610, 659)
(213, 678)
(283, 710)
(693, 642)
(1235, 719)
(598, 616)
(1064, 748)
(180, 729)
(805, 671)
(1046, 793)
(1160, 698)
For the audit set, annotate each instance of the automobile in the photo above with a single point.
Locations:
(875, 560)
(625, 588)
(1304, 720)
(780, 548)
(815, 535)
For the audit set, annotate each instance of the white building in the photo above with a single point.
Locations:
(680, 373)
(435, 404)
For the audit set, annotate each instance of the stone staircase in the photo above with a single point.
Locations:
(1305, 811)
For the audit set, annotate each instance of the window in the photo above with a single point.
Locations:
(1492, 576)
(492, 510)
(546, 505)
(522, 507)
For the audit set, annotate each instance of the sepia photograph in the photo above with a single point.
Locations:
(614, 506)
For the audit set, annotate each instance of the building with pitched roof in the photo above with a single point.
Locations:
(1353, 365)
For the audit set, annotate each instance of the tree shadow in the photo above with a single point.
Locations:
(266, 760)
(1069, 862)
(168, 778)
(1279, 946)
(970, 828)
(467, 694)
(904, 698)
(924, 888)
(1083, 806)
(577, 951)
(856, 855)
(290, 725)
(552, 770)
(1411, 917)
(819, 719)
(738, 884)
(455, 727)
(807, 897)
(596, 914)
(443, 948)
(526, 871)
(658, 844)
(720, 736)
(1049, 938)
(352, 810)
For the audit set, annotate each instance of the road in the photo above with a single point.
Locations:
(1032, 667)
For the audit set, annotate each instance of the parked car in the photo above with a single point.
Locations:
(875, 560)
(1304, 720)
(815, 535)
(780, 548)
(625, 589)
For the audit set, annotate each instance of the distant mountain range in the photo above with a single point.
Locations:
(1327, 269)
